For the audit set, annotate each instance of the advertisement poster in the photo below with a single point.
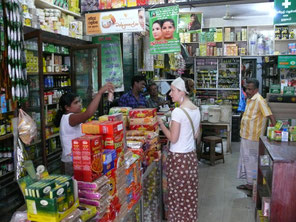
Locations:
(285, 12)
(287, 62)
(163, 27)
(132, 20)
(190, 22)
(111, 61)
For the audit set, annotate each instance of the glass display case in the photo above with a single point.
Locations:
(87, 72)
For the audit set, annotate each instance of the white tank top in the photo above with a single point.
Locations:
(67, 134)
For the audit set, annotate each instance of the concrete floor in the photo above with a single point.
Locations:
(219, 200)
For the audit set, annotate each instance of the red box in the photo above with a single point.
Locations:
(113, 141)
(115, 117)
(92, 127)
(142, 2)
(111, 127)
(142, 113)
(77, 162)
(144, 127)
(91, 156)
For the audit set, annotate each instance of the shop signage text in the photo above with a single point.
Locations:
(285, 12)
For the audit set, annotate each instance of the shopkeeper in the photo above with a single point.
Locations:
(135, 98)
(69, 118)
(155, 101)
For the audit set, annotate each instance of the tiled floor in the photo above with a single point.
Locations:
(219, 200)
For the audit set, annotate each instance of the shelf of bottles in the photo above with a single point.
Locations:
(6, 157)
(270, 73)
(32, 106)
(206, 69)
(229, 73)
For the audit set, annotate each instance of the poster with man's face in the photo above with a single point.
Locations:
(163, 27)
(190, 22)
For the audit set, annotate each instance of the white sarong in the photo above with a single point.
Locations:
(248, 160)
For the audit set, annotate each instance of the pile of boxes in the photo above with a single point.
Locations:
(51, 198)
(282, 131)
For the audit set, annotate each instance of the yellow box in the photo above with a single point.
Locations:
(227, 34)
(53, 218)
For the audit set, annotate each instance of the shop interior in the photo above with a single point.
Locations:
(46, 51)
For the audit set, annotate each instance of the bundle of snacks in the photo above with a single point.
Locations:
(27, 127)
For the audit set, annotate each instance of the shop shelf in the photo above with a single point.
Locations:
(55, 73)
(45, 4)
(52, 136)
(53, 88)
(285, 40)
(267, 174)
(5, 159)
(32, 73)
(6, 175)
(6, 136)
(55, 53)
(54, 154)
(263, 191)
(130, 211)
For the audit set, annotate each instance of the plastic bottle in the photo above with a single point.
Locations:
(285, 135)
(253, 43)
(260, 45)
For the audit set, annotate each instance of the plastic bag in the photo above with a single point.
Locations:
(27, 127)
(19, 216)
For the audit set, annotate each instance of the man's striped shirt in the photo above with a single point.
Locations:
(254, 118)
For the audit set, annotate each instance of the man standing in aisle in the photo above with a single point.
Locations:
(134, 98)
(252, 123)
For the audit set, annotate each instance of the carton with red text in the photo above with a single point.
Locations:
(142, 113)
(111, 127)
(113, 141)
(77, 161)
(91, 156)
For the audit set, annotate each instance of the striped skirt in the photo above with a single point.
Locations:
(182, 174)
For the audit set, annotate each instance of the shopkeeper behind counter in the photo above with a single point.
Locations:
(154, 101)
(134, 98)
(69, 118)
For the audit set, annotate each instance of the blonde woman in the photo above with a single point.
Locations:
(182, 169)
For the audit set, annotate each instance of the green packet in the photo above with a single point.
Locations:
(278, 125)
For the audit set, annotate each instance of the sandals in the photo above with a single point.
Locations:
(244, 187)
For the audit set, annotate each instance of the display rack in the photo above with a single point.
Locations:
(45, 4)
(277, 179)
(154, 166)
(46, 149)
(218, 78)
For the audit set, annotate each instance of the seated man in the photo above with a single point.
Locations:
(134, 97)
(154, 101)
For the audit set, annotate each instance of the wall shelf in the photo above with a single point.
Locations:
(6, 136)
(45, 4)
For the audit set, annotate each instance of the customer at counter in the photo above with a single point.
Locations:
(155, 101)
(252, 123)
(134, 97)
(182, 169)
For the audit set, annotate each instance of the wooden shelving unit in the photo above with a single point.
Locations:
(280, 177)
